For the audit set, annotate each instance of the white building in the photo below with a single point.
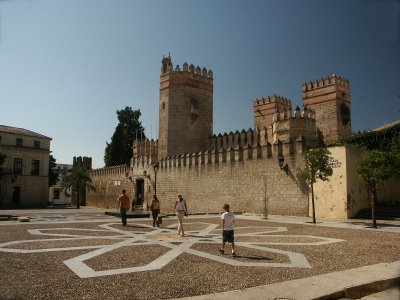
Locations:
(58, 196)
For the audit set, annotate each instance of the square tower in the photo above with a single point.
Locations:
(265, 108)
(186, 109)
(330, 99)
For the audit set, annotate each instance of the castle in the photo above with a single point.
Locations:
(252, 169)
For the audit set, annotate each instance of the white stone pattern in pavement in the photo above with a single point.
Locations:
(68, 217)
(167, 237)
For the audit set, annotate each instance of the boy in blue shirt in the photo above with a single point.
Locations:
(228, 220)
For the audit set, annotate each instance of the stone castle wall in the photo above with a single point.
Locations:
(244, 184)
(109, 183)
(240, 176)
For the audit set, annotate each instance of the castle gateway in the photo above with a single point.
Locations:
(250, 169)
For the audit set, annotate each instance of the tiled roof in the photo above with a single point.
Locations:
(21, 131)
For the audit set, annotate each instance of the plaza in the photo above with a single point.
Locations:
(71, 254)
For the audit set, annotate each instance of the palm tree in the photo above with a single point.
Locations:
(79, 180)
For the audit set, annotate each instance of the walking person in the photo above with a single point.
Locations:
(181, 211)
(228, 220)
(123, 205)
(155, 210)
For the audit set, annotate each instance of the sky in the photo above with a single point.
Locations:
(67, 66)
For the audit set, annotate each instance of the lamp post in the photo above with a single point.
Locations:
(155, 168)
(265, 198)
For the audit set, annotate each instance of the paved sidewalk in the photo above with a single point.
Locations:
(350, 284)
(293, 248)
(390, 294)
(383, 225)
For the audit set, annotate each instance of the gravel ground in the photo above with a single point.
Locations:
(45, 276)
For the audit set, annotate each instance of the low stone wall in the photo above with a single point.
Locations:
(346, 193)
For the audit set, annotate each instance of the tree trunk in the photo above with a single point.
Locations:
(78, 204)
(313, 205)
(373, 205)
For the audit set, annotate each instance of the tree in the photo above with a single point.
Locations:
(382, 160)
(53, 176)
(2, 160)
(376, 167)
(317, 166)
(119, 150)
(78, 179)
(395, 153)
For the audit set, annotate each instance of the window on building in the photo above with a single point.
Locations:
(19, 142)
(36, 144)
(35, 167)
(17, 166)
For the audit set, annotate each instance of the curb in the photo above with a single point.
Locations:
(362, 290)
(349, 284)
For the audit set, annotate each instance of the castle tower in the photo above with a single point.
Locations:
(265, 108)
(330, 98)
(186, 109)
(82, 162)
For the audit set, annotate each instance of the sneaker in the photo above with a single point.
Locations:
(233, 253)
(222, 251)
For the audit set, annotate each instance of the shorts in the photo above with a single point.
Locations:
(227, 236)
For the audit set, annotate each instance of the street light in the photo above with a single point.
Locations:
(155, 168)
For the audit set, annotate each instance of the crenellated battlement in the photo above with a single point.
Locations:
(168, 67)
(290, 125)
(114, 171)
(324, 82)
(330, 98)
(189, 75)
(82, 162)
(235, 139)
(265, 107)
(306, 113)
(284, 102)
(238, 153)
(194, 70)
(144, 147)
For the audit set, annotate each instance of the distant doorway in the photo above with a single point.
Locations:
(139, 191)
(16, 194)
